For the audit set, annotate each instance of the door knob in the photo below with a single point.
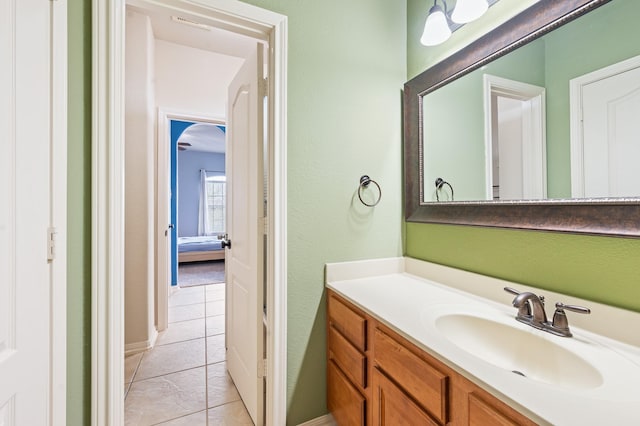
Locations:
(224, 240)
(166, 231)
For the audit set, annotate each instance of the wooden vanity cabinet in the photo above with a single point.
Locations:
(377, 377)
(347, 366)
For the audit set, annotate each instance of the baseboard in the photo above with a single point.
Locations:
(137, 347)
(326, 420)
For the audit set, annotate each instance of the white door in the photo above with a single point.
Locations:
(610, 138)
(25, 209)
(244, 259)
(515, 140)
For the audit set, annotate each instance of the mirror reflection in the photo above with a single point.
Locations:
(556, 118)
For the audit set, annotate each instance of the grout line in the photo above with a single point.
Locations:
(166, 374)
(178, 341)
(206, 362)
(179, 417)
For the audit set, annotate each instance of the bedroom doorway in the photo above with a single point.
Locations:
(198, 195)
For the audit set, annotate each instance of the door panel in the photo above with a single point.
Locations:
(244, 266)
(610, 128)
(24, 212)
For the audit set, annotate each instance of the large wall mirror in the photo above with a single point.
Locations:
(536, 125)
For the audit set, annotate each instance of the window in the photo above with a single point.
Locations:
(216, 198)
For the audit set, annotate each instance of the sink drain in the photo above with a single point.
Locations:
(519, 373)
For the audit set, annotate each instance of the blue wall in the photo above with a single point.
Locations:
(189, 165)
(177, 127)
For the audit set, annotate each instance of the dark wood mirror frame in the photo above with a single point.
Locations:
(611, 217)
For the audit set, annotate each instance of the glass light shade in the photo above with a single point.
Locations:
(436, 29)
(468, 10)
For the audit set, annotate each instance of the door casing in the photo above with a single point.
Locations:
(108, 193)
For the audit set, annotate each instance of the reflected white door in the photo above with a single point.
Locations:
(244, 266)
(25, 209)
(611, 136)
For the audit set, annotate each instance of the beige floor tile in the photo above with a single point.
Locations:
(131, 364)
(216, 351)
(215, 292)
(167, 397)
(186, 312)
(187, 296)
(215, 325)
(220, 387)
(171, 358)
(197, 419)
(233, 414)
(182, 331)
(215, 308)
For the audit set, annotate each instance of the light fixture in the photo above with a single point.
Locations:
(468, 10)
(436, 28)
(439, 24)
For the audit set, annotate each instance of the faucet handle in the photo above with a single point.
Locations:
(560, 323)
(512, 291)
(525, 309)
(573, 308)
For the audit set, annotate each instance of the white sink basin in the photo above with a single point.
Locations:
(524, 352)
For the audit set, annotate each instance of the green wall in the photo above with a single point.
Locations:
(597, 268)
(79, 215)
(347, 65)
(346, 68)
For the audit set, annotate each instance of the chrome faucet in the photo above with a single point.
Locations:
(531, 312)
(535, 304)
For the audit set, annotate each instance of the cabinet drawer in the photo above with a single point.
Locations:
(349, 359)
(350, 323)
(346, 404)
(391, 406)
(425, 383)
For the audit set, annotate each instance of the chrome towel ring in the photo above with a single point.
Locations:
(364, 183)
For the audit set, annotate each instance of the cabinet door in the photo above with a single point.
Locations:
(427, 384)
(392, 407)
(474, 406)
(346, 404)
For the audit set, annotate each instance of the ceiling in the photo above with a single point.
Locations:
(190, 31)
(204, 137)
(187, 33)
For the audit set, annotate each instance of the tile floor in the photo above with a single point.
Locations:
(183, 380)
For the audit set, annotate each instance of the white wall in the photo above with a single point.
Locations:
(140, 330)
(193, 81)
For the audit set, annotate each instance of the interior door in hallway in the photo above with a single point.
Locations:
(25, 210)
(244, 270)
(605, 159)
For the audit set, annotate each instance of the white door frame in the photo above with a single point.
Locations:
(108, 195)
(165, 115)
(535, 122)
(59, 102)
(575, 112)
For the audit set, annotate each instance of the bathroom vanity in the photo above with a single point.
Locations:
(410, 342)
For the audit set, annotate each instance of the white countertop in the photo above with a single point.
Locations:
(406, 295)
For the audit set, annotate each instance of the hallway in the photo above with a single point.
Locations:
(183, 380)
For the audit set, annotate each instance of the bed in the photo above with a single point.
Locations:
(201, 248)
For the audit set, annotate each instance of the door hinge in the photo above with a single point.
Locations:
(262, 368)
(263, 87)
(51, 243)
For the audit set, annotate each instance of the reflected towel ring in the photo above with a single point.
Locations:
(439, 184)
(364, 183)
